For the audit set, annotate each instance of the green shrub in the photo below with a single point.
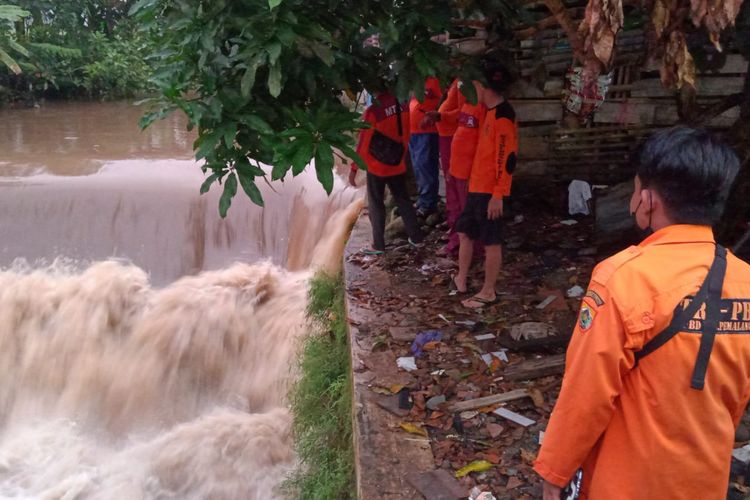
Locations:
(321, 400)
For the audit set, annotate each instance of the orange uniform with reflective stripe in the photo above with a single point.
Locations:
(382, 116)
(449, 110)
(497, 149)
(465, 140)
(641, 432)
(417, 110)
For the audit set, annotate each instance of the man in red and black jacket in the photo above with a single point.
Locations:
(383, 116)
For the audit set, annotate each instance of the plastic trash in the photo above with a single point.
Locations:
(406, 363)
(575, 292)
(424, 338)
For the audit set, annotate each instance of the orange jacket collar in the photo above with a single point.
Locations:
(680, 233)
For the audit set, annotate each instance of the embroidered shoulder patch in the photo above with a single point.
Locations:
(598, 300)
(586, 316)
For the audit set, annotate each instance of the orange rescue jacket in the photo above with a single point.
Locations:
(641, 432)
(417, 110)
(497, 149)
(382, 116)
(449, 110)
(464, 145)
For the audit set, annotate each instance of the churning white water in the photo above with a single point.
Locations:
(161, 374)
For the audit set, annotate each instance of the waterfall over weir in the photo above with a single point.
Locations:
(160, 373)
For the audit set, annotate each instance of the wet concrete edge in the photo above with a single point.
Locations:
(384, 455)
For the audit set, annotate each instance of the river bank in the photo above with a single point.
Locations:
(418, 427)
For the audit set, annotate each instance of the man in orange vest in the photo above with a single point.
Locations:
(489, 182)
(424, 147)
(658, 369)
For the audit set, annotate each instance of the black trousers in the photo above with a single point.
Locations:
(376, 206)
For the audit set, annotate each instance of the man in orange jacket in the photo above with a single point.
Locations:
(424, 147)
(658, 369)
(489, 182)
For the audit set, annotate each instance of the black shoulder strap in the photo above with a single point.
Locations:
(713, 314)
(709, 294)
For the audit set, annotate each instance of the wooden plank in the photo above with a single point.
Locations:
(537, 110)
(504, 397)
(735, 64)
(572, 148)
(536, 368)
(526, 345)
(706, 86)
(604, 129)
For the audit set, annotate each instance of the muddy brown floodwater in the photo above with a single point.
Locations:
(146, 345)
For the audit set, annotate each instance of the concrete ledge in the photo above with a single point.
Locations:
(384, 455)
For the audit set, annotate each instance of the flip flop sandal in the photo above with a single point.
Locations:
(371, 251)
(453, 288)
(479, 300)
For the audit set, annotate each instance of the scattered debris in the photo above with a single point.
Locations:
(487, 357)
(486, 336)
(543, 304)
(412, 428)
(742, 454)
(475, 466)
(391, 404)
(435, 401)
(477, 494)
(575, 292)
(423, 339)
(532, 330)
(407, 363)
(495, 430)
(490, 400)
(437, 485)
(468, 415)
(403, 333)
(536, 368)
(514, 417)
(453, 395)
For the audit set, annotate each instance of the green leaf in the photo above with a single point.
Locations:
(352, 155)
(244, 166)
(139, 5)
(324, 166)
(18, 47)
(274, 51)
(230, 189)
(302, 156)
(257, 123)
(12, 13)
(272, 4)
(281, 164)
(274, 80)
(9, 62)
(251, 189)
(248, 80)
(210, 180)
(323, 52)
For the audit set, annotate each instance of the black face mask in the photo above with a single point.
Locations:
(648, 230)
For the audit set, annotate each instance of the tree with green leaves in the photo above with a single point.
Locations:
(262, 80)
(9, 16)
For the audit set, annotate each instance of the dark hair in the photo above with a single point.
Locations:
(497, 75)
(691, 170)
